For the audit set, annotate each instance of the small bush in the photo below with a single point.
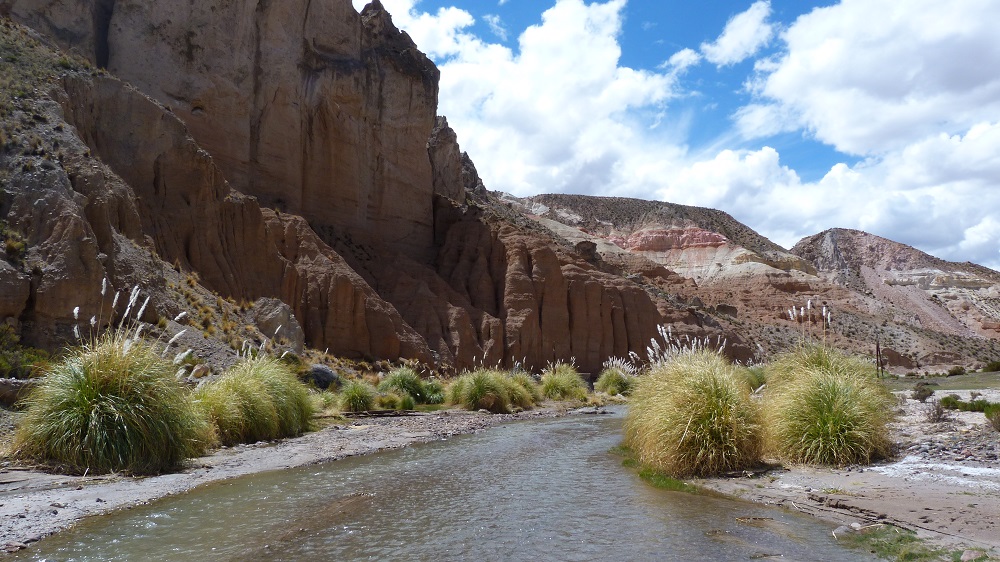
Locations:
(993, 415)
(937, 413)
(921, 392)
(612, 381)
(956, 371)
(112, 405)
(357, 396)
(831, 411)
(562, 382)
(405, 381)
(693, 416)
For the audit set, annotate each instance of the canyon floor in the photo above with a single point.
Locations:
(944, 482)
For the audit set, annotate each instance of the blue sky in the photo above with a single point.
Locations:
(792, 116)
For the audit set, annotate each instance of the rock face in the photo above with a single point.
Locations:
(951, 297)
(136, 195)
(307, 105)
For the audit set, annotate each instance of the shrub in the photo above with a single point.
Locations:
(562, 382)
(613, 381)
(405, 381)
(357, 396)
(693, 416)
(956, 371)
(993, 415)
(112, 405)
(829, 409)
(921, 392)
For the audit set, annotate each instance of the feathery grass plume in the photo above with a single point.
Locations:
(694, 416)
(617, 377)
(561, 381)
(482, 389)
(405, 381)
(827, 407)
(109, 407)
(357, 396)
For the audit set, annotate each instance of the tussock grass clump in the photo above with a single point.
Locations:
(112, 405)
(483, 389)
(528, 383)
(693, 416)
(613, 381)
(258, 399)
(826, 407)
(561, 381)
(434, 392)
(357, 396)
(405, 381)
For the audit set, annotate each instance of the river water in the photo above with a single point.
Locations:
(534, 490)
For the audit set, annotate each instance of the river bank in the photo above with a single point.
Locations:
(944, 483)
(35, 504)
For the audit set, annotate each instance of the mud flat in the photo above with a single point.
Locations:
(944, 483)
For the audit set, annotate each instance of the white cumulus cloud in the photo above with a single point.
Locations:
(743, 36)
(908, 87)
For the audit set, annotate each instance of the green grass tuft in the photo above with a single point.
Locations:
(405, 381)
(357, 396)
(258, 399)
(825, 407)
(112, 405)
(613, 381)
(693, 416)
(561, 381)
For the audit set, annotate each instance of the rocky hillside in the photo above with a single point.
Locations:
(273, 168)
(926, 313)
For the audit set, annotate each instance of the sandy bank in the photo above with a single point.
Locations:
(35, 504)
(944, 483)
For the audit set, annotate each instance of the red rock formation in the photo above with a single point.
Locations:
(666, 239)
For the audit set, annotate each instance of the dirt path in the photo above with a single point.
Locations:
(944, 483)
(35, 504)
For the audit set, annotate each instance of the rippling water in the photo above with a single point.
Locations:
(540, 490)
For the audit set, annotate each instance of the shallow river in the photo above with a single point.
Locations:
(535, 490)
